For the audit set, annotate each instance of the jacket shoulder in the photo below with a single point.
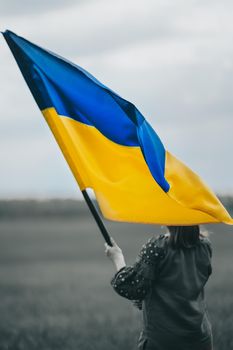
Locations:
(160, 240)
(153, 250)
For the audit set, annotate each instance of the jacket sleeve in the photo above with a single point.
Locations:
(134, 282)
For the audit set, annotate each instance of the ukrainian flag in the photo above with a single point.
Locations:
(111, 148)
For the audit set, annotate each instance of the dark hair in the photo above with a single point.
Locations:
(184, 236)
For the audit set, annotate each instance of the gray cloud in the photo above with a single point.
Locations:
(28, 7)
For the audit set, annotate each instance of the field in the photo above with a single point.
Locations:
(55, 284)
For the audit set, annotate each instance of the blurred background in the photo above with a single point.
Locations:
(174, 61)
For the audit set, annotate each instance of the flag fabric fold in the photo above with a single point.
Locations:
(110, 146)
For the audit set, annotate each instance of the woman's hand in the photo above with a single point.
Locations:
(115, 254)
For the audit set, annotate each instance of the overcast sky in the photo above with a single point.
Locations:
(172, 59)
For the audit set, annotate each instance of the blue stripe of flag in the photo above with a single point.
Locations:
(75, 93)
